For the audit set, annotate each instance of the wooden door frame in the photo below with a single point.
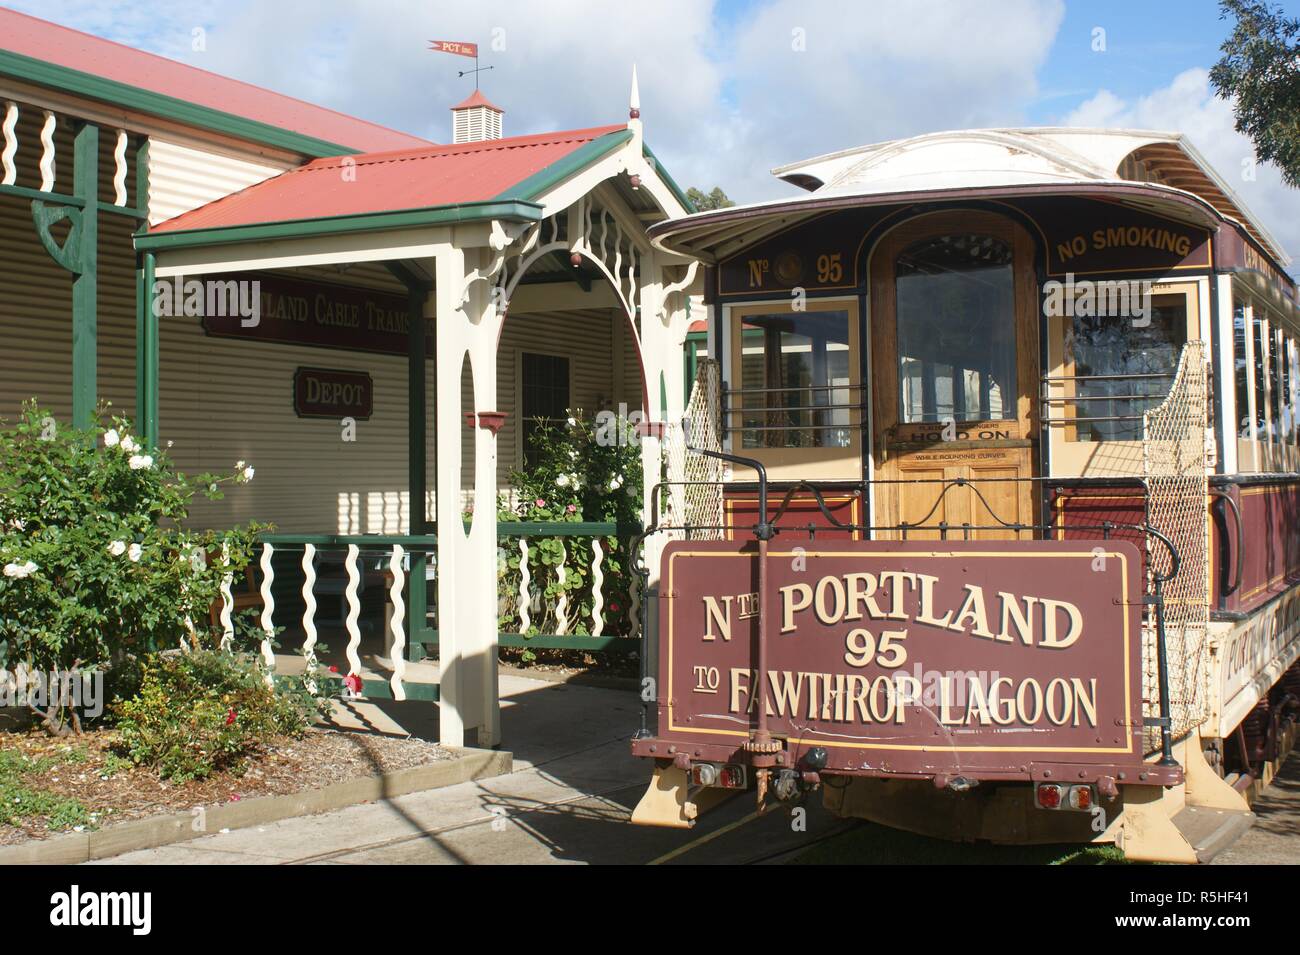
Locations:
(880, 321)
(881, 293)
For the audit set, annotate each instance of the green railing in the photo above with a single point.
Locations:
(560, 586)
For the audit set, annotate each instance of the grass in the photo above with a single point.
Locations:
(19, 799)
(872, 844)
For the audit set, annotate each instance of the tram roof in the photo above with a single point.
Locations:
(1160, 171)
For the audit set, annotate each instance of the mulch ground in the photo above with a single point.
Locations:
(84, 768)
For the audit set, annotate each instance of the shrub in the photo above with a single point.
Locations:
(203, 711)
(585, 470)
(98, 565)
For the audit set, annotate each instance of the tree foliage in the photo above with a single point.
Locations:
(703, 201)
(1260, 70)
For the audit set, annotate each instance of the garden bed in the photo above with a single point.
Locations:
(78, 783)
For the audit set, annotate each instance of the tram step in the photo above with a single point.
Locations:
(1210, 831)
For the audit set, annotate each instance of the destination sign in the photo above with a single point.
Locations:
(909, 656)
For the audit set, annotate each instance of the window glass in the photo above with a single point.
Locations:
(795, 380)
(1124, 368)
(1241, 367)
(956, 330)
(545, 397)
(1281, 384)
(1260, 342)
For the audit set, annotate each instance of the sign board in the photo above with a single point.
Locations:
(332, 393)
(909, 657)
(295, 312)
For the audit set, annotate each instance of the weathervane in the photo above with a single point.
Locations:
(460, 49)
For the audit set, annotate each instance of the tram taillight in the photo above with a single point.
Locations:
(1056, 796)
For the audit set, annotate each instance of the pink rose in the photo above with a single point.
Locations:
(539, 502)
(571, 508)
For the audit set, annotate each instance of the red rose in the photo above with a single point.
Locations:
(230, 717)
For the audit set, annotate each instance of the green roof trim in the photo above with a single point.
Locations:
(669, 181)
(551, 176)
(337, 225)
(159, 104)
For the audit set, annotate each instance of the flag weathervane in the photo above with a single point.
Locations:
(460, 49)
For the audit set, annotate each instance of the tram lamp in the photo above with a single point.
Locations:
(1055, 796)
(729, 776)
(815, 759)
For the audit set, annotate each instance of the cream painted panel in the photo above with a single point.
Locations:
(182, 178)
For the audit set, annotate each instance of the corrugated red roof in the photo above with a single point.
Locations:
(72, 49)
(477, 99)
(389, 181)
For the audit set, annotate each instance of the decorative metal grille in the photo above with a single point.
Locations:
(1174, 470)
(694, 495)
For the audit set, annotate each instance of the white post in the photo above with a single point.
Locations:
(467, 566)
(449, 269)
(484, 319)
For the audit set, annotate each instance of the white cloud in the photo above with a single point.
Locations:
(1189, 105)
(724, 95)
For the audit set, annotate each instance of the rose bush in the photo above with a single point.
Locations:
(98, 567)
(586, 470)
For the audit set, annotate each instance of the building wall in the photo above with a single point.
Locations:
(225, 400)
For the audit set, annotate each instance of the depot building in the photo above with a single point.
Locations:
(249, 277)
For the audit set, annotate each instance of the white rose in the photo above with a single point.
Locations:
(239, 465)
(248, 473)
(129, 445)
(19, 570)
(117, 548)
(572, 422)
(111, 438)
(562, 481)
(140, 461)
(133, 553)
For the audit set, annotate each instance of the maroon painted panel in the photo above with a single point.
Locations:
(909, 657)
(1270, 515)
(741, 509)
(294, 312)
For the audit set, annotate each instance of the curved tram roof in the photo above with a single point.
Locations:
(1158, 172)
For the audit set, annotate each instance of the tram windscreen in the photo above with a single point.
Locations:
(1124, 367)
(956, 330)
(796, 380)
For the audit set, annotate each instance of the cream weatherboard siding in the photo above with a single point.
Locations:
(587, 338)
(183, 177)
(36, 317)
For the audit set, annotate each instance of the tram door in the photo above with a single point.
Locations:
(954, 336)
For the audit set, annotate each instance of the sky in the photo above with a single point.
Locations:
(729, 88)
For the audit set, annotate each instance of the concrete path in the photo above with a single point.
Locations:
(567, 801)
(1275, 837)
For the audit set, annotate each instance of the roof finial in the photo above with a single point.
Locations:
(634, 103)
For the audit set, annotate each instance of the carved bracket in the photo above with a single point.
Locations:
(45, 217)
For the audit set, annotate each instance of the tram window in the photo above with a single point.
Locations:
(1260, 341)
(956, 330)
(1281, 386)
(1124, 368)
(545, 380)
(796, 380)
(1242, 367)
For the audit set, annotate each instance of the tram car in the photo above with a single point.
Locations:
(983, 522)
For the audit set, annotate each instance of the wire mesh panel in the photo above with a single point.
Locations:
(1174, 469)
(694, 495)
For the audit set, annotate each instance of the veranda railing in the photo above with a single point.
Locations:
(560, 586)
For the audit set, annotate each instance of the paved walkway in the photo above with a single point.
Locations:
(567, 801)
(1274, 839)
